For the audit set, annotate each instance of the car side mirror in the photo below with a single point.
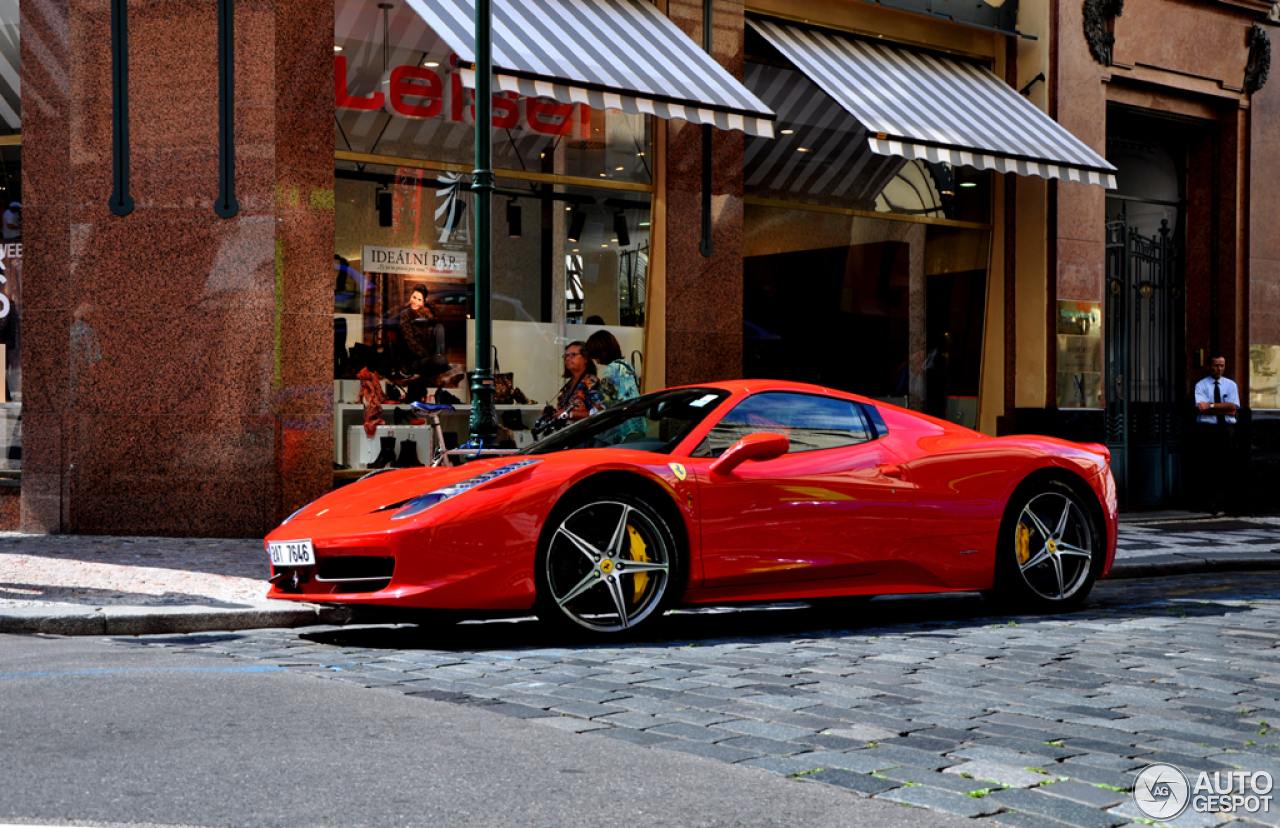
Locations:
(751, 447)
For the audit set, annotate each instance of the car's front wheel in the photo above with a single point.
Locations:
(1051, 549)
(606, 564)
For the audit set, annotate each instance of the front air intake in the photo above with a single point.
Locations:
(356, 573)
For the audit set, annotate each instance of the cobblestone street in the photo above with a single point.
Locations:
(929, 702)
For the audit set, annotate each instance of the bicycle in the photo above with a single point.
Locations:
(440, 456)
(431, 412)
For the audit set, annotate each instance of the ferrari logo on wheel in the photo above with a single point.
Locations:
(606, 566)
(679, 471)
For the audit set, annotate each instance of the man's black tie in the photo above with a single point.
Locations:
(1217, 398)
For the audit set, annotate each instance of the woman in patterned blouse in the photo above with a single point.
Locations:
(581, 395)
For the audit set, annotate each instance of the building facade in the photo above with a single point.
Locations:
(217, 239)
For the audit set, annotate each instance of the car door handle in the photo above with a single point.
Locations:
(891, 470)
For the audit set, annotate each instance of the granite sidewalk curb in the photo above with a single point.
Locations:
(69, 619)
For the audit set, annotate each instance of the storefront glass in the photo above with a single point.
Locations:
(571, 219)
(862, 272)
(10, 241)
(820, 156)
(890, 309)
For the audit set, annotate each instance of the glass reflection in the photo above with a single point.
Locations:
(820, 156)
(398, 94)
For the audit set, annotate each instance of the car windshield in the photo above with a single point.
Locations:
(655, 422)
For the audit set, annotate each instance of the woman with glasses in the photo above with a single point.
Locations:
(581, 395)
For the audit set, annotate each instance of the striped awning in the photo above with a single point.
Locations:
(921, 105)
(608, 54)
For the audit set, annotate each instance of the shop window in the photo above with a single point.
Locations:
(893, 310)
(570, 223)
(567, 261)
(1264, 376)
(10, 244)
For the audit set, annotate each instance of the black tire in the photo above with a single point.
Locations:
(1050, 551)
(606, 564)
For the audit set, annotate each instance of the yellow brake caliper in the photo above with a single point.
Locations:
(638, 553)
(1024, 543)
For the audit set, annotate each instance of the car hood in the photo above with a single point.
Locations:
(378, 490)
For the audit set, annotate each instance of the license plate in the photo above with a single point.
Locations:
(292, 553)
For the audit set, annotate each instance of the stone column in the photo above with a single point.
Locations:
(178, 369)
(704, 295)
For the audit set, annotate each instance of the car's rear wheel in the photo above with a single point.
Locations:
(1051, 549)
(606, 564)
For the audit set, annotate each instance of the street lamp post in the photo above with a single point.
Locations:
(484, 419)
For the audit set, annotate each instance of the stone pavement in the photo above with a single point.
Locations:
(89, 585)
(1024, 721)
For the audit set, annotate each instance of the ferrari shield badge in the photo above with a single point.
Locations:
(679, 471)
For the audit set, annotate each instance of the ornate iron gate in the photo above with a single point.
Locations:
(1144, 340)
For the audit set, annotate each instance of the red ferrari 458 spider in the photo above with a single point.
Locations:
(730, 491)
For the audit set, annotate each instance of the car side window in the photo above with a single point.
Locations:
(809, 421)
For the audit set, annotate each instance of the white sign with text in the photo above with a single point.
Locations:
(413, 262)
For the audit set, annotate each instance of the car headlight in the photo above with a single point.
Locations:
(423, 502)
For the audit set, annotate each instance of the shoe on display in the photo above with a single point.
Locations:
(408, 458)
(386, 453)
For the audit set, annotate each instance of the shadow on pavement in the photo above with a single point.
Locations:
(1215, 595)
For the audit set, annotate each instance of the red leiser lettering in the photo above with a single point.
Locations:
(344, 100)
(418, 92)
(417, 82)
(548, 117)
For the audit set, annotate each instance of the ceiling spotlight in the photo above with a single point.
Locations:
(786, 131)
(620, 228)
(619, 169)
(431, 63)
(802, 149)
(577, 224)
(604, 175)
(513, 219)
(337, 48)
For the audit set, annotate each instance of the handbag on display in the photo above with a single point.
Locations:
(503, 384)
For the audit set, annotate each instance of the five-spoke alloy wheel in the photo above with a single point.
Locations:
(1051, 550)
(606, 564)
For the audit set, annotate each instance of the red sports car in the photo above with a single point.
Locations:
(731, 491)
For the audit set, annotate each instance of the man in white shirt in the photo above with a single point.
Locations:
(1217, 400)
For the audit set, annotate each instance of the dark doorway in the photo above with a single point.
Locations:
(1145, 325)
